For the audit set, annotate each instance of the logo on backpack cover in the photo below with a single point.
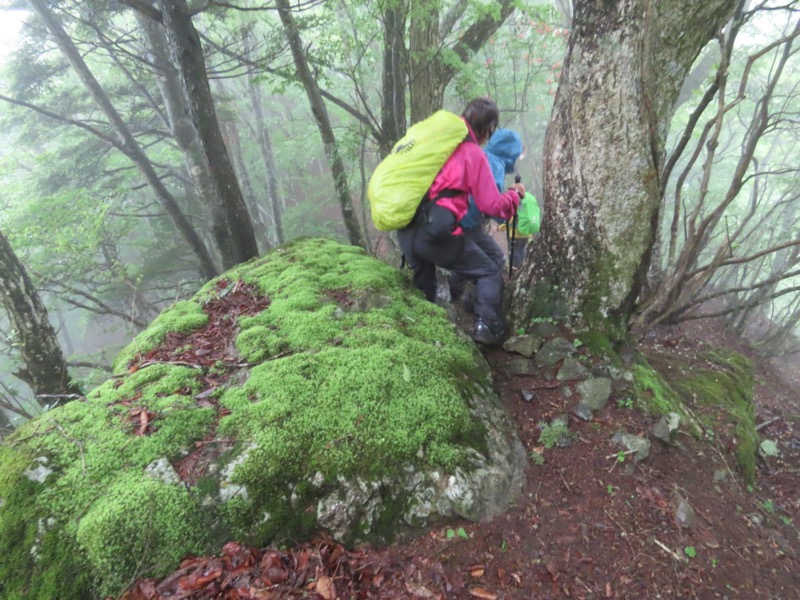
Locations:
(400, 148)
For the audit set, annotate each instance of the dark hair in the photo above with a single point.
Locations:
(483, 116)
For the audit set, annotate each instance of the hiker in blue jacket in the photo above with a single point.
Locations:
(502, 150)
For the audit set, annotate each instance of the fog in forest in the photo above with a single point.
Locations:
(124, 174)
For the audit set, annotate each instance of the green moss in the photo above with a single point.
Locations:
(600, 344)
(727, 382)
(364, 399)
(718, 378)
(53, 568)
(544, 301)
(140, 526)
(355, 375)
(89, 444)
(653, 394)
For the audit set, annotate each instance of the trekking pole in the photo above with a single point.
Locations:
(517, 179)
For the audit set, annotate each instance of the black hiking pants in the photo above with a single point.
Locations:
(486, 243)
(429, 242)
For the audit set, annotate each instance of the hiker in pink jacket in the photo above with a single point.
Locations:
(435, 238)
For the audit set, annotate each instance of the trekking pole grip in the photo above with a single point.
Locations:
(518, 179)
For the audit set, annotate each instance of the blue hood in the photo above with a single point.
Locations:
(503, 150)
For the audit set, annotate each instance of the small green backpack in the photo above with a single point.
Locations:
(401, 180)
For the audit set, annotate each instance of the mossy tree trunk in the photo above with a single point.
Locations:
(44, 366)
(604, 153)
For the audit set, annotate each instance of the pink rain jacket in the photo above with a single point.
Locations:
(468, 171)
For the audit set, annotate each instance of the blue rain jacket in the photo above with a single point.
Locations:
(502, 150)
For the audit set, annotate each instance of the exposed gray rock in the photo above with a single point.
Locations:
(39, 472)
(553, 351)
(571, 369)
(526, 345)
(353, 501)
(483, 489)
(683, 511)
(162, 470)
(520, 366)
(451, 311)
(595, 392)
(666, 427)
(582, 411)
(634, 443)
(528, 395)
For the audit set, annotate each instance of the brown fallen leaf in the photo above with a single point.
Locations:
(609, 593)
(261, 594)
(551, 567)
(477, 572)
(325, 588)
(199, 579)
(482, 593)
(419, 590)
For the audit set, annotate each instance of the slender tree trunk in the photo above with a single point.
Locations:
(45, 368)
(267, 155)
(393, 108)
(604, 152)
(323, 123)
(235, 234)
(257, 212)
(5, 424)
(128, 143)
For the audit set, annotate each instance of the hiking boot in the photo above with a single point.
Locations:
(484, 334)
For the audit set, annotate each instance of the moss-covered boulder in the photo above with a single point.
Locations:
(309, 389)
(717, 386)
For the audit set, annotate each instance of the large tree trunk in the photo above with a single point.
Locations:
(44, 366)
(127, 143)
(604, 152)
(323, 123)
(235, 235)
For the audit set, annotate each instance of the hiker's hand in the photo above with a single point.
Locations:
(520, 189)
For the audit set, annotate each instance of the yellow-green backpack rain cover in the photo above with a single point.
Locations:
(401, 180)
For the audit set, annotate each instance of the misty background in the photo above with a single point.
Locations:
(96, 236)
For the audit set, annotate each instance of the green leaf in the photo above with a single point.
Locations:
(406, 374)
(450, 534)
(769, 448)
(462, 533)
(690, 551)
